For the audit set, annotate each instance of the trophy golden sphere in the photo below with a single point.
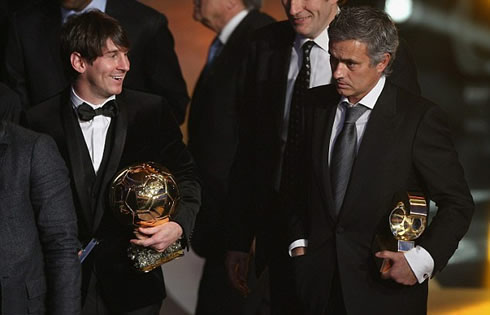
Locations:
(143, 194)
(404, 226)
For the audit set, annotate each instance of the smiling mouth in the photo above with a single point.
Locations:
(300, 20)
(118, 77)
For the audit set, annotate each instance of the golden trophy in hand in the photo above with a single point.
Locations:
(146, 195)
(407, 222)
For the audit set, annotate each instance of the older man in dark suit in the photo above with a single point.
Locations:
(34, 36)
(101, 128)
(213, 138)
(368, 143)
(39, 265)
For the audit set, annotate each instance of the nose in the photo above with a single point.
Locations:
(295, 6)
(124, 63)
(337, 70)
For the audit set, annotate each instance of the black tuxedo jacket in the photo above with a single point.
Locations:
(35, 71)
(406, 147)
(143, 131)
(39, 265)
(213, 130)
(255, 211)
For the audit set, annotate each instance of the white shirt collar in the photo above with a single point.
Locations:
(370, 99)
(77, 100)
(321, 40)
(225, 33)
(93, 5)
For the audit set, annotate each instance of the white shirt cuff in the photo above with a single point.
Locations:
(298, 243)
(421, 263)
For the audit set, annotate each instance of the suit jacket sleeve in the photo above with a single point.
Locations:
(52, 202)
(175, 155)
(163, 69)
(241, 216)
(436, 161)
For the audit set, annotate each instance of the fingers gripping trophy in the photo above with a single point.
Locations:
(146, 195)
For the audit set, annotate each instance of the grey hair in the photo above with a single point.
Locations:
(370, 26)
(252, 4)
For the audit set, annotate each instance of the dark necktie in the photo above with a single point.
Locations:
(291, 168)
(86, 112)
(344, 154)
(214, 51)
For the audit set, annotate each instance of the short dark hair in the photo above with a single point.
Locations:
(252, 4)
(87, 34)
(368, 25)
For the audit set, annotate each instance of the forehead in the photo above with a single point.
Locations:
(348, 48)
(73, 4)
(111, 46)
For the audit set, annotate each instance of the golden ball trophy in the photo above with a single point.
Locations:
(146, 195)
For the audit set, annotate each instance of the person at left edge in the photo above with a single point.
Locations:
(39, 265)
(33, 34)
(137, 128)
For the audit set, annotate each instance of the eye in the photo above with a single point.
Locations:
(351, 64)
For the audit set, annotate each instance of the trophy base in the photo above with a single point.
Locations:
(145, 259)
(405, 246)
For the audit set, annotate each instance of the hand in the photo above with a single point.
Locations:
(397, 269)
(158, 237)
(298, 251)
(236, 263)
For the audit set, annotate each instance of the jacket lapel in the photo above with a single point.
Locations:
(323, 101)
(81, 172)
(120, 131)
(282, 56)
(379, 135)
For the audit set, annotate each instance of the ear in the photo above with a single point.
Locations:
(78, 62)
(381, 66)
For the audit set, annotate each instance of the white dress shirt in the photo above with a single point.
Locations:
(420, 261)
(94, 131)
(93, 5)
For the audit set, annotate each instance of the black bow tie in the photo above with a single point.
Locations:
(86, 112)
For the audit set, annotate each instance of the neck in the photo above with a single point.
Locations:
(86, 94)
(233, 9)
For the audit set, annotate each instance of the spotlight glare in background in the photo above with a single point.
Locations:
(399, 10)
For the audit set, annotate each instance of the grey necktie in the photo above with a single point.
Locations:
(344, 154)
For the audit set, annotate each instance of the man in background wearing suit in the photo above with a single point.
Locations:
(258, 195)
(39, 265)
(101, 128)
(368, 142)
(34, 35)
(213, 138)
